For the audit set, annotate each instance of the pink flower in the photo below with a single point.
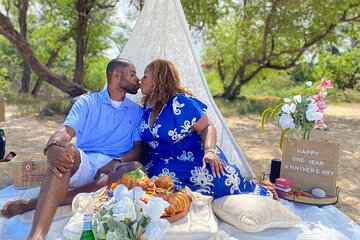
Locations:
(325, 84)
(318, 123)
(319, 102)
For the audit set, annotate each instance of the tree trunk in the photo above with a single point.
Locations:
(39, 81)
(232, 93)
(83, 8)
(22, 8)
(36, 66)
(25, 80)
(53, 55)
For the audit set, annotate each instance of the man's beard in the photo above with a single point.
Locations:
(128, 86)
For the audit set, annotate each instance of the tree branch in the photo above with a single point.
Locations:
(267, 27)
(27, 54)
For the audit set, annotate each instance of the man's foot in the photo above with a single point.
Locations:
(14, 208)
(274, 193)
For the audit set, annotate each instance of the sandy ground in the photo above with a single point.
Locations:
(29, 135)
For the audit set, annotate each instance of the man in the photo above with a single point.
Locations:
(106, 126)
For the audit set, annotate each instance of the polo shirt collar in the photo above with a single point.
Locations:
(106, 99)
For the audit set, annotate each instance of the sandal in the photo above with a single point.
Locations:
(8, 157)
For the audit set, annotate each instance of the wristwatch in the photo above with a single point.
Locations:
(52, 143)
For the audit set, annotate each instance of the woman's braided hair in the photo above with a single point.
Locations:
(166, 83)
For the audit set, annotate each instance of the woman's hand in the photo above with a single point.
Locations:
(216, 165)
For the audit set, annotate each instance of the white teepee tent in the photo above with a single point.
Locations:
(161, 31)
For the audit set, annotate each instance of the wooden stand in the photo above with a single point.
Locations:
(328, 200)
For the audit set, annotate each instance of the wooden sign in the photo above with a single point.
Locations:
(310, 164)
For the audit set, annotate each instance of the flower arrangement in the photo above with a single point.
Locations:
(298, 115)
(129, 214)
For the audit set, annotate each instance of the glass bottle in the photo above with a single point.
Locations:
(87, 233)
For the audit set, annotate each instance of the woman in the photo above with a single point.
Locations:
(182, 139)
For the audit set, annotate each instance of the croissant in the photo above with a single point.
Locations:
(130, 182)
(179, 202)
(164, 181)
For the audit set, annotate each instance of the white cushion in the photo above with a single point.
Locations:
(253, 213)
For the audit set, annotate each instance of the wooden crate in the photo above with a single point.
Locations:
(28, 170)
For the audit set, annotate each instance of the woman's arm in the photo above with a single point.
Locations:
(207, 132)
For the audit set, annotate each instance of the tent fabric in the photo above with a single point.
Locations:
(161, 31)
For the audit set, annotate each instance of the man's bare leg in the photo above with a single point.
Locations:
(52, 193)
(13, 208)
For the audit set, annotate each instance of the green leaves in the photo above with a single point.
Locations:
(138, 173)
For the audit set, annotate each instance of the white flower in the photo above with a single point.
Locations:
(122, 191)
(313, 115)
(286, 121)
(309, 83)
(312, 106)
(155, 207)
(297, 99)
(156, 228)
(111, 235)
(287, 100)
(286, 108)
(138, 193)
(124, 208)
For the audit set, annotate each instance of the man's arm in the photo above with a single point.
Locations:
(135, 154)
(60, 151)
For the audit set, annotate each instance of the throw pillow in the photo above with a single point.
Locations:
(253, 213)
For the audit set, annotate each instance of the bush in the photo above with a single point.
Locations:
(243, 106)
(56, 107)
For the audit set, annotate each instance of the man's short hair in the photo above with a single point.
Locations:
(117, 63)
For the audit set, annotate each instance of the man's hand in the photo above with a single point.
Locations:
(61, 159)
(106, 169)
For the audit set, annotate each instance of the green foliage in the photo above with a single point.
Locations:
(52, 28)
(257, 35)
(341, 69)
(213, 81)
(95, 74)
(243, 106)
(26, 105)
(56, 107)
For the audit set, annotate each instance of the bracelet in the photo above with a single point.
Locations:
(210, 150)
(53, 143)
(118, 160)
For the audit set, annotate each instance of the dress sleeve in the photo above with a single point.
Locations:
(187, 111)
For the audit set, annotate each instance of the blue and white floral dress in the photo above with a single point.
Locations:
(176, 149)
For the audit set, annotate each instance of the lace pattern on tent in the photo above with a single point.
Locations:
(161, 31)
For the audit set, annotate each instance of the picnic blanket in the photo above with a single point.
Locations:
(316, 223)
